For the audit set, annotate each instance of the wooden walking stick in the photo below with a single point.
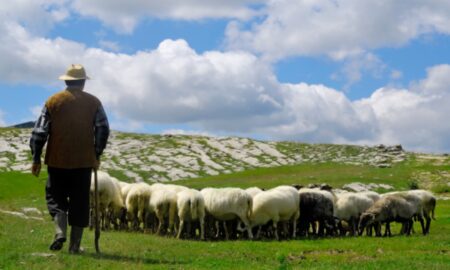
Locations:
(97, 225)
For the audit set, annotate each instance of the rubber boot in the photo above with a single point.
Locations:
(60, 221)
(75, 239)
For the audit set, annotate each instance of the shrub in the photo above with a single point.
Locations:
(413, 184)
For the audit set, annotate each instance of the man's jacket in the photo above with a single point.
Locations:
(76, 127)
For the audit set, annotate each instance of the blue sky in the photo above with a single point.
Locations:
(341, 71)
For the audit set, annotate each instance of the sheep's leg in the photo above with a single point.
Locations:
(172, 220)
(285, 229)
(369, 230)
(409, 226)
(313, 227)
(294, 230)
(388, 229)
(424, 231)
(427, 228)
(225, 228)
(102, 219)
(180, 229)
(342, 230)
(303, 227)
(217, 229)
(275, 229)
(246, 222)
(258, 233)
(161, 223)
(377, 227)
(353, 226)
(321, 231)
(136, 222)
(202, 229)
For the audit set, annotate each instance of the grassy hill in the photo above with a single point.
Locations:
(173, 157)
(26, 229)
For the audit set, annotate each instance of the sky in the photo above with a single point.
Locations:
(315, 71)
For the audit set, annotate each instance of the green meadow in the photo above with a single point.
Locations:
(24, 242)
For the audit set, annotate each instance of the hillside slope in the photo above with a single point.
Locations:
(172, 157)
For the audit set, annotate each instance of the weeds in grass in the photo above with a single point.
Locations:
(413, 184)
(441, 188)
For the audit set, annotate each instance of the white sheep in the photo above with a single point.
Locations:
(277, 204)
(371, 194)
(124, 189)
(163, 202)
(253, 191)
(110, 201)
(428, 205)
(137, 204)
(191, 207)
(227, 204)
(349, 207)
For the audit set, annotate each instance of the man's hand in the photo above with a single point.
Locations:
(36, 169)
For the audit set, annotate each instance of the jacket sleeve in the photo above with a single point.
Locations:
(39, 135)
(101, 127)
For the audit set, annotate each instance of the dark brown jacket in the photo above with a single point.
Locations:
(71, 142)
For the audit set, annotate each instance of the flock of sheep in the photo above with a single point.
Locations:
(280, 212)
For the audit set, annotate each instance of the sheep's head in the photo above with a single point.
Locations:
(297, 186)
(365, 220)
(326, 187)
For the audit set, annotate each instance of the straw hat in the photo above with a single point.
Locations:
(74, 72)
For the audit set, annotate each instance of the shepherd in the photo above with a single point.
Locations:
(74, 125)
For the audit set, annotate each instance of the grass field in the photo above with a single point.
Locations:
(24, 242)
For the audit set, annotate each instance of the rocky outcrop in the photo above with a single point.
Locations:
(139, 157)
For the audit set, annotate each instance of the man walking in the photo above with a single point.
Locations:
(76, 129)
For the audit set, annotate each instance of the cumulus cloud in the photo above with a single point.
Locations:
(316, 113)
(124, 15)
(355, 66)
(233, 92)
(2, 121)
(338, 28)
(170, 84)
(38, 16)
(415, 117)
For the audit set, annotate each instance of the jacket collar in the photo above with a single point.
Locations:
(74, 88)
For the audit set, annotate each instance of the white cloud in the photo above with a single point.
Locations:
(416, 117)
(109, 45)
(187, 132)
(170, 84)
(124, 15)
(316, 113)
(2, 121)
(38, 16)
(338, 28)
(233, 92)
(396, 74)
(27, 58)
(36, 111)
(356, 65)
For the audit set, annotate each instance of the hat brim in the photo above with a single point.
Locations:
(70, 78)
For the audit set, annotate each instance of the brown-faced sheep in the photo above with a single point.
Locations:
(388, 209)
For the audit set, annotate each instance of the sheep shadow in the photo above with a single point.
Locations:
(129, 259)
